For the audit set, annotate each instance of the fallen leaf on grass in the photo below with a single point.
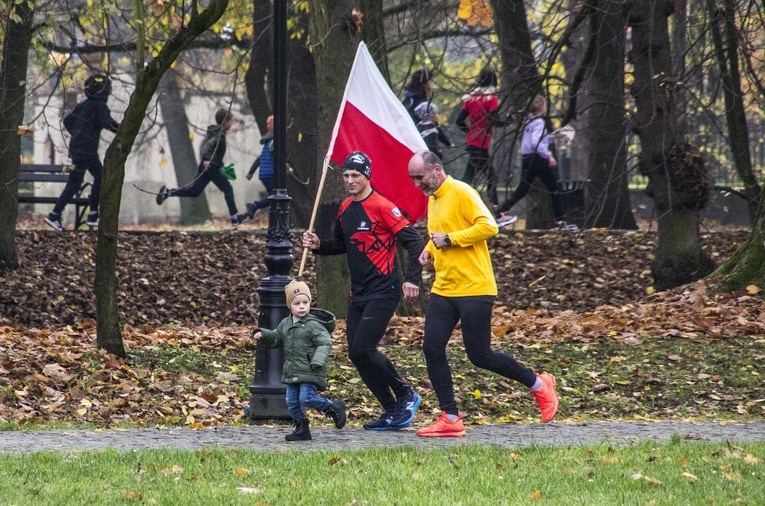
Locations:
(640, 476)
(688, 476)
(248, 490)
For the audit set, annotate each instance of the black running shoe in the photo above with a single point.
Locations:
(162, 195)
(385, 422)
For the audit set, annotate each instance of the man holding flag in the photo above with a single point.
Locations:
(373, 125)
(368, 228)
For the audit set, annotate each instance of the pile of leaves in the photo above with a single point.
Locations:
(210, 278)
(578, 306)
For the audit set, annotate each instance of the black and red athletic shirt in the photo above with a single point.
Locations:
(368, 231)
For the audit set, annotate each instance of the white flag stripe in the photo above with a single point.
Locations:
(387, 111)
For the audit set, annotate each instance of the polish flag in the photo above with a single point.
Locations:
(371, 119)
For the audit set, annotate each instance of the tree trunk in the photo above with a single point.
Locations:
(374, 34)
(679, 50)
(676, 172)
(747, 265)
(176, 124)
(520, 78)
(147, 81)
(726, 50)
(261, 63)
(602, 122)
(520, 82)
(302, 134)
(374, 37)
(13, 82)
(334, 51)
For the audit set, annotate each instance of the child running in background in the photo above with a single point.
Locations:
(84, 124)
(305, 337)
(536, 161)
(212, 151)
(427, 125)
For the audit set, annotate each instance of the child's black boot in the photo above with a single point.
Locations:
(336, 411)
(301, 432)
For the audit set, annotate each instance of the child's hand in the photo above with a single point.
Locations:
(248, 176)
(257, 334)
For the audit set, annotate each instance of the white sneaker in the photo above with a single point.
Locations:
(54, 222)
(92, 220)
(566, 227)
(506, 219)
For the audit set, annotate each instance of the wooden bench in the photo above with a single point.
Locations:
(35, 173)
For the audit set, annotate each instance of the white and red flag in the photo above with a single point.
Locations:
(371, 119)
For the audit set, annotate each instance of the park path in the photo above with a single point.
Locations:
(269, 438)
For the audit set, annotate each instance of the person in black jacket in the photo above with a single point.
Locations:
(419, 90)
(211, 153)
(430, 130)
(84, 124)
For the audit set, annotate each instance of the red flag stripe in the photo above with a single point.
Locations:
(390, 160)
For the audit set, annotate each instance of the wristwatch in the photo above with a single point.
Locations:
(447, 241)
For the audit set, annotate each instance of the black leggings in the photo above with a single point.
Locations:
(479, 161)
(535, 166)
(82, 163)
(365, 325)
(441, 317)
(205, 177)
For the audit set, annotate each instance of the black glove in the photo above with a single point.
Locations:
(315, 367)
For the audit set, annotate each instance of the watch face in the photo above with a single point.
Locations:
(448, 240)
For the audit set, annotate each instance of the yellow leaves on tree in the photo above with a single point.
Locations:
(476, 12)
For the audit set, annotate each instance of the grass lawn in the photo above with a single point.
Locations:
(672, 473)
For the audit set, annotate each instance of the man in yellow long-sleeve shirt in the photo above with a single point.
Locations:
(459, 223)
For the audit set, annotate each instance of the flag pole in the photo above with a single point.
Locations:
(315, 210)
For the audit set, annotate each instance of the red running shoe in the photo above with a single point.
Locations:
(546, 397)
(443, 428)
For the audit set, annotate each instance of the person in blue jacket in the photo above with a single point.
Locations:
(266, 164)
(84, 124)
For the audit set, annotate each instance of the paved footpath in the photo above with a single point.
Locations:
(269, 438)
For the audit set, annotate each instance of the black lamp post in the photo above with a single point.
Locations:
(267, 399)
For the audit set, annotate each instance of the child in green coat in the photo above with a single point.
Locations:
(305, 337)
